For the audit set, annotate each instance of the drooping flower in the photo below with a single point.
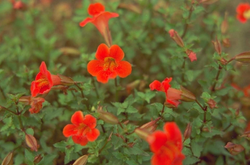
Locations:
(43, 81)
(18, 5)
(243, 12)
(82, 128)
(109, 63)
(172, 95)
(100, 19)
(166, 146)
(36, 104)
(191, 55)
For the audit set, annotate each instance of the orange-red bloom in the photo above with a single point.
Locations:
(100, 19)
(36, 104)
(44, 81)
(18, 4)
(109, 63)
(191, 55)
(82, 128)
(245, 90)
(172, 95)
(243, 12)
(166, 145)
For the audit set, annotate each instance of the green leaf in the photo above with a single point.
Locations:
(196, 148)
(190, 160)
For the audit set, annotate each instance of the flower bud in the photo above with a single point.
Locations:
(188, 131)
(132, 86)
(169, 105)
(223, 61)
(66, 80)
(217, 46)
(8, 160)
(175, 36)
(234, 149)
(246, 135)
(212, 104)
(243, 57)
(142, 133)
(31, 142)
(38, 158)
(224, 25)
(107, 117)
(82, 160)
(25, 99)
(150, 126)
(186, 95)
(226, 42)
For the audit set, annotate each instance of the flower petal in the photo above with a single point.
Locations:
(90, 121)
(82, 140)
(116, 52)
(69, 130)
(124, 69)
(95, 9)
(102, 52)
(160, 159)
(157, 140)
(93, 135)
(155, 85)
(103, 76)
(87, 20)
(173, 134)
(77, 118)
(94, 67)
(43, 68)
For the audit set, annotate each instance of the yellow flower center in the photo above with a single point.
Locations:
(246, 14)
(83, 129)
(109, 63)
(42, 82)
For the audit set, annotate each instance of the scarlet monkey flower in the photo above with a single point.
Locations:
(191, 55)
(44, 81)
(100, 20)
(172, 95)
(166, 145)
(82, 128)
(36, 104)
(109, 64)
(243, 12)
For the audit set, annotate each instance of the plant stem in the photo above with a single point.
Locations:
(216, 79)
(103, 146)
(205, 115)
(97, 94)
(1, 90)
(19, 117)
(186, 25)
(1, 107)
(199, 104)
(79, 89)
(162, 109)
(227, 127)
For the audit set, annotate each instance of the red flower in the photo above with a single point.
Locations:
(245, 90)
(44, 81)
(243, 12)
(166, 145)
(36, 104)
(100, 20)
(82, 130)
(18, 4)
(172, 95)
(191, 55)
(109, 64)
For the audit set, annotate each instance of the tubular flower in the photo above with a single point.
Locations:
(109, 64)
(172, 95)
(100, 19)
(36, 104)
(82, 128)
(166, 145)
(44, 81)
(243, 12)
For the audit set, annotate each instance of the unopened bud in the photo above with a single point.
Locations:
(8, 160)
(188, 131)
(186, 95)
(169, 105)
(243, 57)
(31, 142)
(217, 46)
(150, 126)
(226, 42)
(223, 61)
(38, 158)
(234, 149)
(107, 117)
(212, 104)
(82, 160)
(246, 135)
(175, 36)
(66, 80)
(224, 25)
(132, 86)
(25, 99)
(142, 133)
